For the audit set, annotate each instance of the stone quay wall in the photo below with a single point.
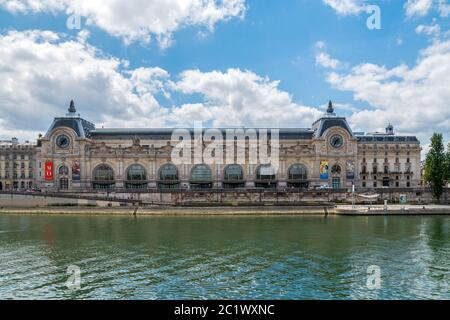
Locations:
(267, 197)
(220, 198)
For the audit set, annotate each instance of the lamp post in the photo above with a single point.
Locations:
(353, 196)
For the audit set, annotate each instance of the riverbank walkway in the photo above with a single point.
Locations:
(393, 209)
(340, 210)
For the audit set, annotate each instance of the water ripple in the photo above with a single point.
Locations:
(224, 258)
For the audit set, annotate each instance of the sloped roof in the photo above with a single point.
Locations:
(81, 127)
(166, 133)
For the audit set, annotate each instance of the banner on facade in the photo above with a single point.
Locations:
(350, 170)
(76, 171)
(48, 171)
(324, 170)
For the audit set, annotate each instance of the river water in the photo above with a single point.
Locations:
(224, 257)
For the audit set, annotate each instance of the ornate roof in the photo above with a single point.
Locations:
(81, 127)
(86, 129)
(166, 133)
(384, 138)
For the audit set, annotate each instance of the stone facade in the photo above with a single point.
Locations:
(329, 154)
(17, 165)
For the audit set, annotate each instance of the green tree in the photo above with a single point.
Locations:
(447, 164)
(436, 166)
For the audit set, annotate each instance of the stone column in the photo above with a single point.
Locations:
(119, 175)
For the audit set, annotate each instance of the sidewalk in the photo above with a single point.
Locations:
(393, 209)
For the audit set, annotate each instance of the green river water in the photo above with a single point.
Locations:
(224, 257)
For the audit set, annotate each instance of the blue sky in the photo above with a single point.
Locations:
(241, 51)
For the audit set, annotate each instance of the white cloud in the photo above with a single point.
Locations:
(138, 20)
(413, 8)
(236, 98)
(33, 6)
(417, 7)
(346, 7)
(323, 59)
(430, 30)
(444, 8)
(41, 71)
(414, 99)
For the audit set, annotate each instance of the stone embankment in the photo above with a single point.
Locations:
(344, 210)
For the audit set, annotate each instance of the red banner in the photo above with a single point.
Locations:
(48, 171)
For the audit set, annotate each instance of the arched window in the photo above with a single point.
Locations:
(168, 177)
(103, 177)
(233, 176)
(168, 173)
(298, 177)
(265, 172)
(63, 170)
(201, 177)
(297, 172)
(136, 177)
(233, 172)
(266, 177)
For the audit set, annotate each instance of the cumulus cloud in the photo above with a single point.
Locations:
(137, 20)
(237, 98)
(33, 6)
(323, 59)
(415, 99)
(41, 71)
(417, 7)
(346, 7)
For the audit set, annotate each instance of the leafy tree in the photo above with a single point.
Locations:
(436, 169)
(447, 164)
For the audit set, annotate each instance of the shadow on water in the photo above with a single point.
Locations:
(224, 257)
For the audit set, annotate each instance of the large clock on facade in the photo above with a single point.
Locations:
(337, 141)
(63, 141)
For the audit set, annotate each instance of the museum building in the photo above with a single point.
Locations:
(74, 155)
